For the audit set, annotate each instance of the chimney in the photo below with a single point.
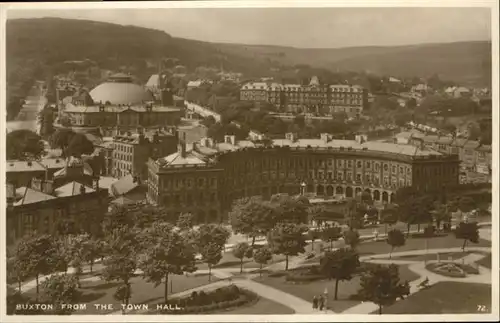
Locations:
(181, 146)
(326, 137)
(361, 139)
(291, 136)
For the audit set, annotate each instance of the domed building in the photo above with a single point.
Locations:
(118, 106)
(119, 89)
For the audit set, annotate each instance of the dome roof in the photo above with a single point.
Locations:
(119, 89)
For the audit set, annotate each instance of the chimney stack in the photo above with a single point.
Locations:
(181, 146)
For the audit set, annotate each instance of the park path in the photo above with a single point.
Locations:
(295, 303)
(418, 267)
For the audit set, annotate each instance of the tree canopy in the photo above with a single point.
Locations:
(23, 145)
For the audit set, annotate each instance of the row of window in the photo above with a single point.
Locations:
(189, 182)
(301, 163)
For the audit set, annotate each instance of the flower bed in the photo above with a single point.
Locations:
(204, 302)
(447, 269)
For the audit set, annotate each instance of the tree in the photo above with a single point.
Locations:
(46, 121)
(122, 245)
(262, 256)
(389, 216)
(252, 216)
(468, 232)
(92, 249)
(466, 204)
(440, 214)
(38, 256)
(241, 251)
(61, 139)
(123, 294)
(313, 235)
(413, 207)
(79, 145)
(17, 271)
(23, 145)
(287, 239)
(65, 121)
(340, 264)
(61, 289)
(185, 221)
(317, 213)
(381, 285)
(331, 234)
(351, 238)
(165, 253)
(395, 238)
(211, 254)
(212, 233)
(291, 209)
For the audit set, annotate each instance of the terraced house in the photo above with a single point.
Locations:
(206, 178)
(473, 155)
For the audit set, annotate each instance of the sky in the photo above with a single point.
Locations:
(298, 27)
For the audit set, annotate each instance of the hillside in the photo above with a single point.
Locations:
(462, 62)
(38, 44)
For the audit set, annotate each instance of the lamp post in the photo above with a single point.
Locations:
(303, 188)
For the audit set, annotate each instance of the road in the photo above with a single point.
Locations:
(27, 117)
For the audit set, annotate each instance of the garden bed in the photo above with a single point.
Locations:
(223, 298)
(447, 269)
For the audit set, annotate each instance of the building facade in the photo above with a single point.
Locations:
(132, 151)
(312, 98)
(119, 105)
(211, 176)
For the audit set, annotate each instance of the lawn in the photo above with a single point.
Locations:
(445, 298)
(449, 241)
(433, 256)
(101, 292)
(263, 306)
(486, 261)
(228, 260)
(307, 291)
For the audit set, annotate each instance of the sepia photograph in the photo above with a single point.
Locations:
(249, 161)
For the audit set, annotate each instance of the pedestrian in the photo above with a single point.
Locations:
(321, 302)
(315, 302)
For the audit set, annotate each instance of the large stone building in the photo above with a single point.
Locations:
(207, 178)
(118, 106)
(312, 98)
(132, 151)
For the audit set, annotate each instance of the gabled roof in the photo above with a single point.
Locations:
(72, 189)
(30, 196)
